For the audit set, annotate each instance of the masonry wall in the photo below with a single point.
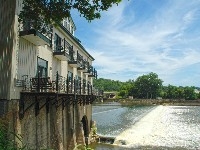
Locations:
(58, 127)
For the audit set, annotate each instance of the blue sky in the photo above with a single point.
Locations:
(142, 36)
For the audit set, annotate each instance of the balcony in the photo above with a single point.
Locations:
(82, 66)
(76, 61)
(37, 37)
(63, 51)
(87, 68)
(61, 91)
(58, 84)
(92, 72)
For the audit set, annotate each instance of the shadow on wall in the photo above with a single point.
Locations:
(7, 40)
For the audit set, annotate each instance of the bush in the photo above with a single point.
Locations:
(5, 142)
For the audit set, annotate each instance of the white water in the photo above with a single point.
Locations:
(160, 128)
(140, 132)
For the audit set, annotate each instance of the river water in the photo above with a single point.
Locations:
(148, 127)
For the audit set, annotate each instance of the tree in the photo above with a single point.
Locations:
(126, 88)
(174, 92)
(45, 12)
(189, 93)
(123, 93)
(108, 85)
(148, 86)
(171, 92)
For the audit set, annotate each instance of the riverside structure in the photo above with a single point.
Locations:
(46, 82)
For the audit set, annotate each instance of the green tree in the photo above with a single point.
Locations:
(126, 88)
(148, 86)
(45, 12)
(173, 92)
(123, 93)
(108, 84)
(189, 93)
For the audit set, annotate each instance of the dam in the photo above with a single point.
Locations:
(149, 127)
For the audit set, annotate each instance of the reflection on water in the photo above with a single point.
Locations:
(149, 127)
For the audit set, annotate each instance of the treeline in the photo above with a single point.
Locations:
(147, 87)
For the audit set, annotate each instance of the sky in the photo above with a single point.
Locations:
(142, 36)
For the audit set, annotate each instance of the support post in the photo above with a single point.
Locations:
(57, 81)
(67, 84)
(38, 84)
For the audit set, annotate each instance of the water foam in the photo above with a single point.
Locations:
(142, 132)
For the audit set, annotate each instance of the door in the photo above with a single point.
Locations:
(42, 68)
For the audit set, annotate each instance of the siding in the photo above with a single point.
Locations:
(27, 59)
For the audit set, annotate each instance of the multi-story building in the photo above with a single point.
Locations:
(50, 76)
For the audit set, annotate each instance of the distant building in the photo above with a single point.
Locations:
(109, 94)
(196, 91)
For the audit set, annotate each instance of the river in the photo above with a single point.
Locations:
(148, 127)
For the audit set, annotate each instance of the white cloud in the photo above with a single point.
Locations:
(126, 47)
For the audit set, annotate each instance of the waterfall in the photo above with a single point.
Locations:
(142, 132)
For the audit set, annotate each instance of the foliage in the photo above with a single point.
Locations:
(189, 93)
(94, 129)
(174, 92)
(82, 147)
(107, 84)
(147, 86)
(123, 93)
(5, 142)
(45, 12)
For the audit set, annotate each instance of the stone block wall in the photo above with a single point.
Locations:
(57, 127)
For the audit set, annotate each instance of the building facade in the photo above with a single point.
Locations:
(49, 76)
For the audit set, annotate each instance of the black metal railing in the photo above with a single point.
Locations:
(65, 48)
(58, 84)
(92, 72)
(44, 32)
(76, 58)
(79, 59)
(86, 66)
(68, 48)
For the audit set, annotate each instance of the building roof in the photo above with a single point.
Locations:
(75, 39)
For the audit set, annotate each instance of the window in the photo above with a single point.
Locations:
(57, 43)
(65, 23)
(70, 75)
(72, 30)
(42, 67)
(68, 24)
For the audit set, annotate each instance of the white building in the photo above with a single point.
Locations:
(57, 53)
(49, 79)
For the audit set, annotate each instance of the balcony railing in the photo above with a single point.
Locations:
(92, 72)
(58, 84)
(63, 51)
(42, 36)
(76, 60)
